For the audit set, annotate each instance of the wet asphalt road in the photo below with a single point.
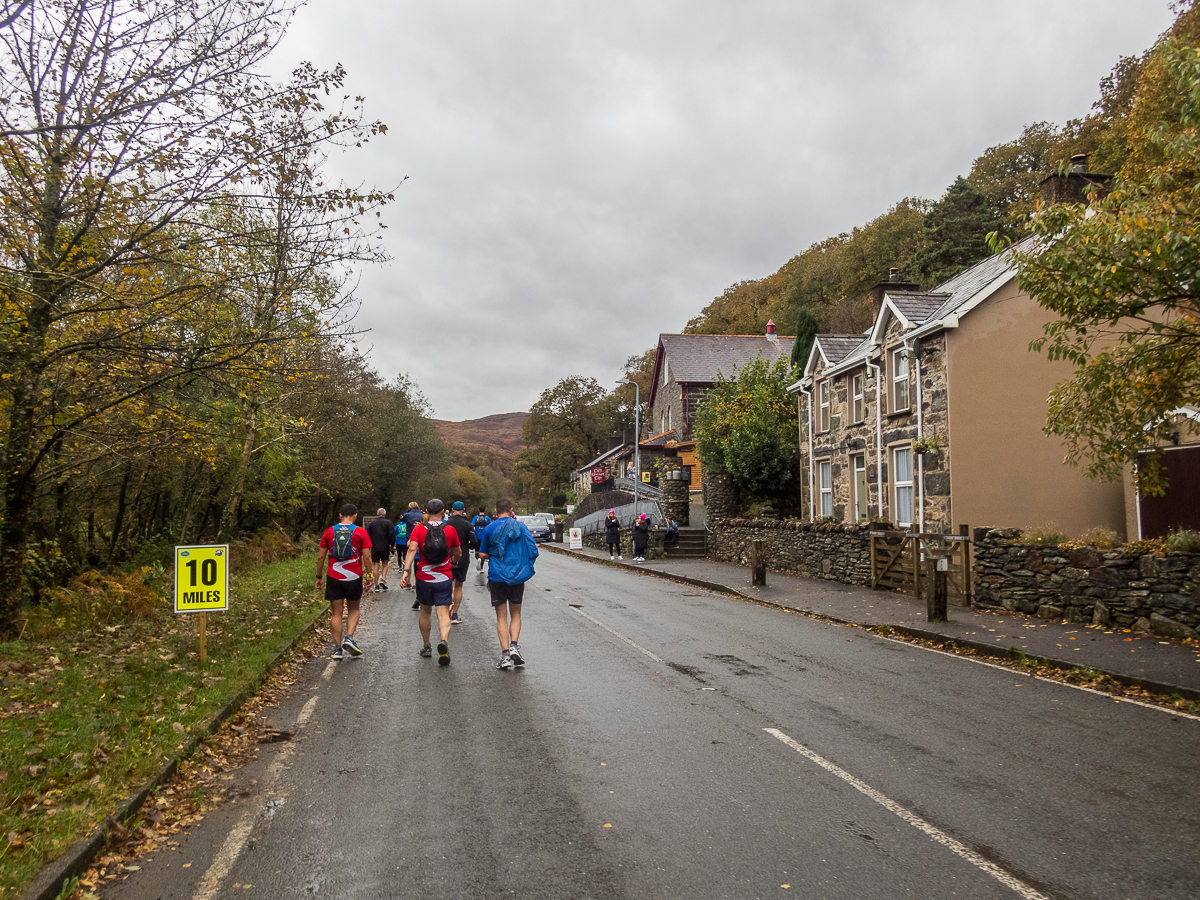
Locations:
(630, 758)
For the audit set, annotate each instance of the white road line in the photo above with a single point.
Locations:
(913, 819)
(240, 833)
(1066, 684)
(636, 646)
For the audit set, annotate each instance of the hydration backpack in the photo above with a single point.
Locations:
(435, 550)
(343, 541)
(401, 532)
(481, 522)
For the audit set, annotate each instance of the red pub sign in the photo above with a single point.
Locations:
(599, 475)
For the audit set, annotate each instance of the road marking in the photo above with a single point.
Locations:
(1076, 687)
(636, 646)
(913, 819)
(240, 833)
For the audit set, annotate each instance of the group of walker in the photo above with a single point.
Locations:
(641, 536)
(436, 566)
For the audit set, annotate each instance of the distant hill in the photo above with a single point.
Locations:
(500, 433)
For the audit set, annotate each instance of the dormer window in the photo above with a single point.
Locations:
(899, 380)
(825, 404)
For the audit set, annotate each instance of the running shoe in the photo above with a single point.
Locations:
(619, 556)
(505, 662)
(455, 619)
(427, 651)
(416, 604)
(336, 654)
(443, 653)
(349, 645)
(514, 653)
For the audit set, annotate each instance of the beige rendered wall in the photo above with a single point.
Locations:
(1004, 472)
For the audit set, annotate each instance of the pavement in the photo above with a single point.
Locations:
(1148, 661)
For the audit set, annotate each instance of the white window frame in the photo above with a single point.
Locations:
(825, 420)
(857, 384)
(668, 428)
(825, 467)
(899, 380)
(664, 375)
(903, 491)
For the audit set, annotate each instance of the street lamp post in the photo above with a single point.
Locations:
(637, 449)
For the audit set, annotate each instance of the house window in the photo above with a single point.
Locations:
(668, 428)
(858, 465)
(824, 406)
(902, 470)
(856, 390)
(826, 488)
(664, 378)
(899, 381)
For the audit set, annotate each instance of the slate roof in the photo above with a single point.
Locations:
(603, 456)
(916, 306)
(836, 347)
(921, 307)
(697, 358)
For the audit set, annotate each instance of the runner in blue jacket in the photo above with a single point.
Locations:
(510, 551)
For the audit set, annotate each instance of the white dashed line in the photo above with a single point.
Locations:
(633, 644)
(956, 847)
(240, 833)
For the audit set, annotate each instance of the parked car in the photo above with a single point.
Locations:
(548, 518)
(538, 528)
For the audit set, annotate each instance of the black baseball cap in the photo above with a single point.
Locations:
(435, 505)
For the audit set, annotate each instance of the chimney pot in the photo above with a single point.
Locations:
(772, 335)
(893, 274)
(1079, 163)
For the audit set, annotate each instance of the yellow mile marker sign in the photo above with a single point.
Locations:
(202, 583)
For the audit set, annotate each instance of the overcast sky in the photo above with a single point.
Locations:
(583, 177)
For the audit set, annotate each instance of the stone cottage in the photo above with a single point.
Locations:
(933, 417)
(686, 367)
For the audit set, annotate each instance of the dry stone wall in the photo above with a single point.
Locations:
(1155, 593)
(833, 551)
(1146, 592)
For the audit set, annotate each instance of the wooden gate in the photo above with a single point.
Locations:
(902, 561)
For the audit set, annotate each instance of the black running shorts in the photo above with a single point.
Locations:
(506, 593)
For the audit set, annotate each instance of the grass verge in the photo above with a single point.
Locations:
(91, 706)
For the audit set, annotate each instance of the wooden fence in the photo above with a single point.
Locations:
(905, 562)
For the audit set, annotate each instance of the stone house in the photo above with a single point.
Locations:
(933, 417)
(686, 367)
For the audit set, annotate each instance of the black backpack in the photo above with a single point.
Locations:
(343, 541)
(435, 550)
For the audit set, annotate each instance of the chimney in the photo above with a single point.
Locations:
(614, 441)
(1073, 186)
(771, 334)
(895, 282)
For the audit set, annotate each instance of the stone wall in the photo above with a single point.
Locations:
(1146, 592)
(833, 551)
(677, 501)
(1112, 588)
(720, 496)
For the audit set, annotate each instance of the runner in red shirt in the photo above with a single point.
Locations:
(344, 544)
(435, 577)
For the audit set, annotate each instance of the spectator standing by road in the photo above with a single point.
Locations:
(641, 538)
(344, 544)
(480, 522)
(508, 547)
(383, 537)
(440, 551)
(612, 534)
(466, 538)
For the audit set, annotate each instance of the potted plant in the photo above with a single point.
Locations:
(926, 444)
